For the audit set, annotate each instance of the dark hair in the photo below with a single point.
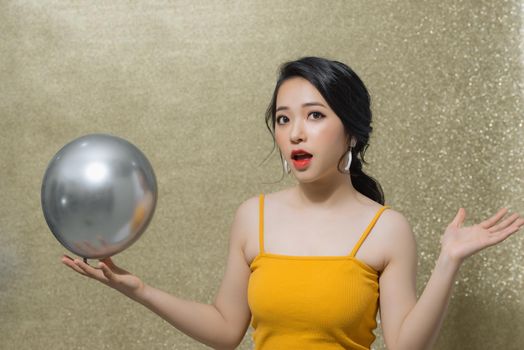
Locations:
(348, 97)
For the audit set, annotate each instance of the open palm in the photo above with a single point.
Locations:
(107, 273)
(460, 242)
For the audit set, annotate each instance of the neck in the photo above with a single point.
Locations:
(326, 193)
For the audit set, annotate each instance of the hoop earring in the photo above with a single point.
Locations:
(349, 161)
(286, 167)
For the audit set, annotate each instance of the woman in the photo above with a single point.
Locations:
(307, 265)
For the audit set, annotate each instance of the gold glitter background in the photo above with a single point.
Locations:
(188, 83)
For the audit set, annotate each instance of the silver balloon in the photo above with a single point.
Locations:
(98, 195)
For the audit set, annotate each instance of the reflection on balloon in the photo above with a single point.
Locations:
(98, 195)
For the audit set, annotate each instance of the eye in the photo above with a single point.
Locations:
(278, 118)
(316, 116)
(320, 115)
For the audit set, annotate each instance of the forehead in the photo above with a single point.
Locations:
(297, 90)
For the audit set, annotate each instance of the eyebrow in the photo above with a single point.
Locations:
(304, 105)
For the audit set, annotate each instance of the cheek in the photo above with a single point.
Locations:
(279, 136)
(331, 143)
(329, 136)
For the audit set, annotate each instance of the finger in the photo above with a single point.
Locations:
(67, 257)
(107, 271)
(502, 235)
(519, 223)
(459, 218)
(66, 260)
(109, 262)
(91, 271)
(113, 267)
(492, 220)
(503, 224)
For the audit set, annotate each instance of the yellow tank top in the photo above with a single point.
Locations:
(312, 302)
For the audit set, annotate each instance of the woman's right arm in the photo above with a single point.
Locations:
(221, 325)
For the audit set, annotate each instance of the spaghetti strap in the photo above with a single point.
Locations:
(261, 223)
(368, 230)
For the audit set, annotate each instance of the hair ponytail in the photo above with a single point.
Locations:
(364, 183)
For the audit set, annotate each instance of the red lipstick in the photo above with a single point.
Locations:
(301, 158)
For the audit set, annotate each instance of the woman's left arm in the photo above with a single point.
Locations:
(417, 326)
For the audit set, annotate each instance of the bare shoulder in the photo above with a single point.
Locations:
(246, 217)
(247, 206)
(249, 209)
(397, 234)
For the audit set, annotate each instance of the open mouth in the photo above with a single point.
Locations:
(301, 161)
(302, 156)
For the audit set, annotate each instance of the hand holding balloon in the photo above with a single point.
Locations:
(109, 274)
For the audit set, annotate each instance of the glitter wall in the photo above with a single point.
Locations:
(188, 83)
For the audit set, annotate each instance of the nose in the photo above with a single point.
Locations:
(297, 132)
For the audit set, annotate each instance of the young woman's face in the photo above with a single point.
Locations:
(305, 121)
